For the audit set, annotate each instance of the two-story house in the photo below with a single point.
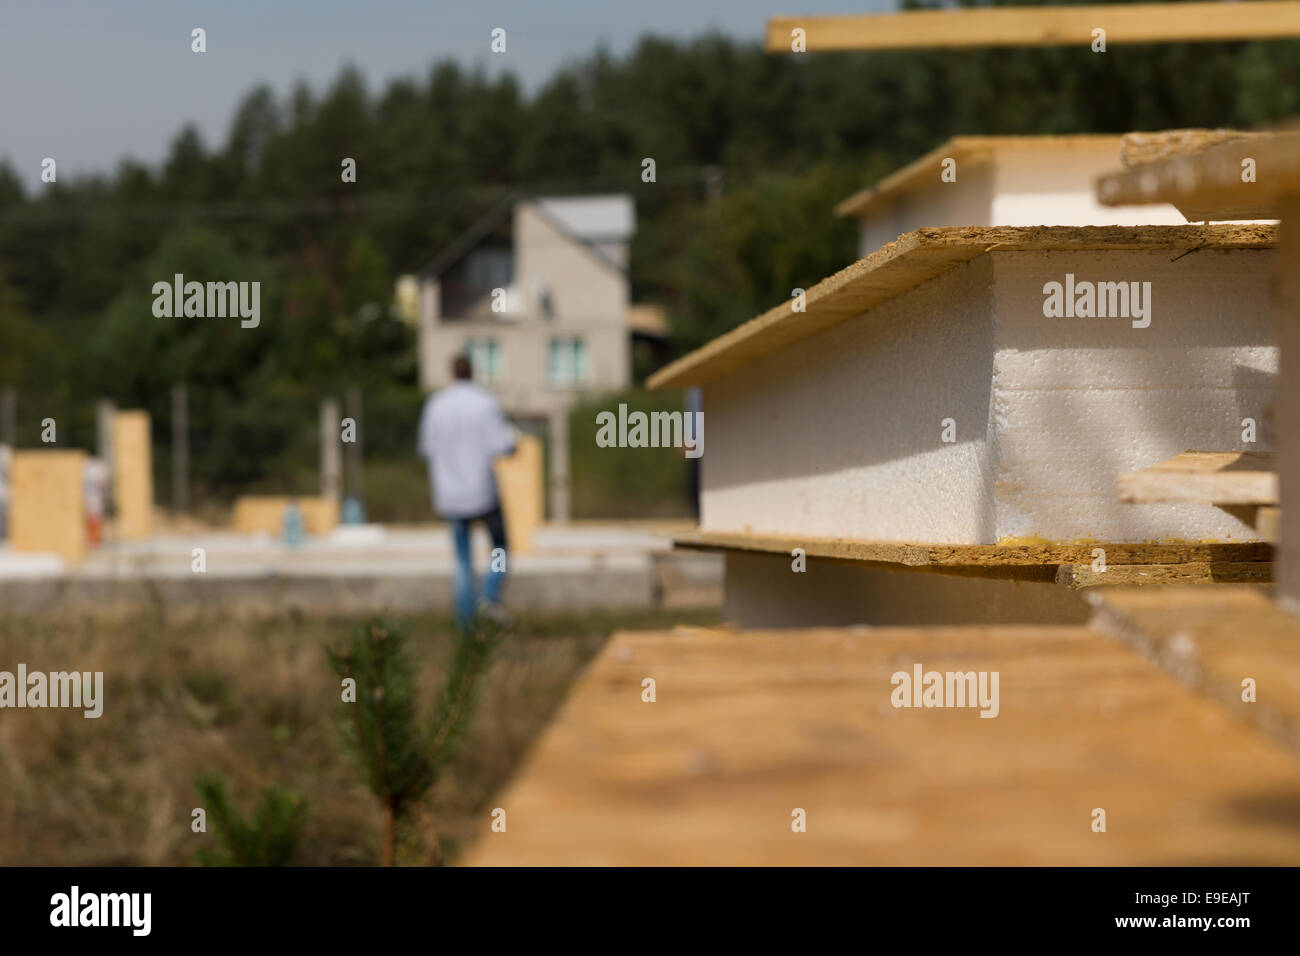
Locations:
(536, 294)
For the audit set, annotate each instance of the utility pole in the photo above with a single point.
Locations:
(355, 481)
(180, 449)
(331, 452)
(105, 412)
(713, 183)
(9, 416)
(560, 502)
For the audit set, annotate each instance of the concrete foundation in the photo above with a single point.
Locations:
(362, 569)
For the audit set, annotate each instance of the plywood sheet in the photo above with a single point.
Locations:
(1140, 148)
(1155, 575)
(1209, 185)
(989, 556)
(1211, 639)
(133, 473)
(1205, 477)
(265, 513)
(47, 512)
(747, 727)
(521, 486)
(916, 257)
(1040, 26)
(963, 149)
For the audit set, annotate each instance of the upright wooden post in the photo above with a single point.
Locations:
(133, 473)
(9, 416)
(560, 466)
(331, 451)
(356, 481)
(105, 412)
(1287, 316)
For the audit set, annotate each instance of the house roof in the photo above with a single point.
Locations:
(588, 220)
(921, 255)
(967, 148)
(488, 224)
(610, 218)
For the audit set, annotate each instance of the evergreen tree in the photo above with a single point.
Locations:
(789, 135)
(269, 838)
(398, 754)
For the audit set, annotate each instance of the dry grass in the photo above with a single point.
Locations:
(256, 701)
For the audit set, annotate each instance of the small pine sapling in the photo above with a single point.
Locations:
(270, 838)
(398, 755)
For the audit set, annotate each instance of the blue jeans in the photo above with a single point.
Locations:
(494, 581)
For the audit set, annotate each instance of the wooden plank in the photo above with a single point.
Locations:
(965, 150)
(1265, 519)
(47, 512)
(1038, 26)
(522, 489)
(1005, 555)
(1211, 639)
(1205, 477)
(133, 473)
(1287, 319)
(1147, 575)
(1132, 149)
(265, 513)
(748, 726)
(1208, 185)
(1140, 148)
(916, 257)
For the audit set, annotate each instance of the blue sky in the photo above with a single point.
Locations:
(91, 81)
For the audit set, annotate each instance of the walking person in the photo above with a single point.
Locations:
(462, 432)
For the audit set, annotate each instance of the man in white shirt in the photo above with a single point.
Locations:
(462, 431)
